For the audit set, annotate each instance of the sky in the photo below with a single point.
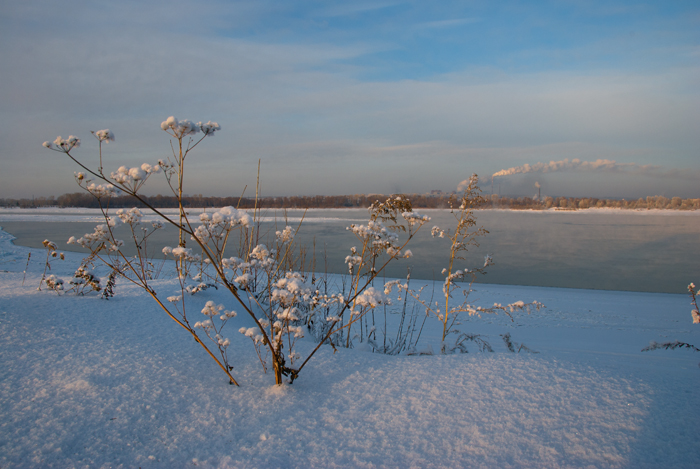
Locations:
(358, 97)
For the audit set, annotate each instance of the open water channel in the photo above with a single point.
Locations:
(653, 251)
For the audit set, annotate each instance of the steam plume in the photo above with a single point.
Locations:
(608, 166)
(462, 185)
(578, 165)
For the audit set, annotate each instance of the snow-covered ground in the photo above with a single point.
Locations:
(91, 383)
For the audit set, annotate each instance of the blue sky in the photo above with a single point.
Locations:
(357, 97)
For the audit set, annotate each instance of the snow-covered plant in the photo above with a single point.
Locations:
(411, 321)
(106, 136)
(85, 279)
(102, 242)
(262, 281)
(334, 315)
(108, 290)
(52, 282)
(175, 168)
(266, 283)
(380, 244)
(213, 328)
(462, 237)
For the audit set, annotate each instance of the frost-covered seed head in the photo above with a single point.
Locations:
(137, 174)
(181, 128)
(105, 135)
(64, 145)
(260, 252)
(180, 252)
(102, 190)
(209, 128)
(285, 236)
(169, 123)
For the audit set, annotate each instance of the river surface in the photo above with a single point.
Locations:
(653, 251)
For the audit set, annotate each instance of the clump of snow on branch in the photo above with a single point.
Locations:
(63, 145)
(182, 128)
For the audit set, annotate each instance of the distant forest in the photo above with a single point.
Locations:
(82, 199)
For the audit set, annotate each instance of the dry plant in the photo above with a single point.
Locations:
(273, 285)
(26, 266)
(263, 282)
(462, 237)
(51, 281)
(511, 345)
(84, 280)
(694, 313)
(333, 315)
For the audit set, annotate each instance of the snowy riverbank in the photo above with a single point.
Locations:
(92, 383)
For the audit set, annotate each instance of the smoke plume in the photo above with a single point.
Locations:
(607, 166)
(578, 165)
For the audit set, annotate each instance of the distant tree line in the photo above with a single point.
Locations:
(82, 199)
